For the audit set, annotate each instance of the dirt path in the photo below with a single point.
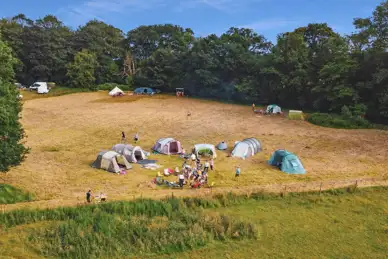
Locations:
(160, 194)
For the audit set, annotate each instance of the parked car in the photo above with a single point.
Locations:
(19, 86)
(40, 87)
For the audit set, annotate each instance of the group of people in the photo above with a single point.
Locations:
(195, 172)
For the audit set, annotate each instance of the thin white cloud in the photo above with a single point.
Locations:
(101, 9)
(226, 6)
(269, 24)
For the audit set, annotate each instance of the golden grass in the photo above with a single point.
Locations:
(67, 132)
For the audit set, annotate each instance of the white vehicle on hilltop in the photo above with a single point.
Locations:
(40, 87)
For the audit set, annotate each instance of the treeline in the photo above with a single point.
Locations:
(310, 68)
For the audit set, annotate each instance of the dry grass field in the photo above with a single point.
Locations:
(65, 134)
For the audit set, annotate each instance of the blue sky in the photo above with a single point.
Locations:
(267, 17)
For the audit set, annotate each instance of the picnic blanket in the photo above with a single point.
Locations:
(146, 161)
(151, 166)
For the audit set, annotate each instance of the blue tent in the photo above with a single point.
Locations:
(287, 162)
(144, 90)
(222, 146)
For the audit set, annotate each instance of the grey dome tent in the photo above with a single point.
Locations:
(246, 148)
(222, 146)
(132, 153)
(111, 161)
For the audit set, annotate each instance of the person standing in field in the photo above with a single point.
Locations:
(253, 107)
(89, 196)
(211, 164)
(207, 165)
(136, 137)
(123, 139)
(238, 171)
(181, 178)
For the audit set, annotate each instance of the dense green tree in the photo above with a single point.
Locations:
(11, 132)
(81, 71)
(107, 43)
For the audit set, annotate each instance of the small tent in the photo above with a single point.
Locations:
(168, 146)
(133, 154)
(201, 149)
(246, 148)
(295, 115)
(116, 91)
(287, 162)
(273, 108)
(222, 146)
(111, 161)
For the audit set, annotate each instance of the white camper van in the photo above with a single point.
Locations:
(40, 87)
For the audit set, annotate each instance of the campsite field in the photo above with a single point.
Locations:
(65, 134)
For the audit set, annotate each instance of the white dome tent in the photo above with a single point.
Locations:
(116, 91)
(246, 148)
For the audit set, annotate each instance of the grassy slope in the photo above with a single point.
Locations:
(345, 226)
(336, 224)
(10, 194)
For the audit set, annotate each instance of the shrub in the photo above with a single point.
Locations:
(10, 194)
(339, 121)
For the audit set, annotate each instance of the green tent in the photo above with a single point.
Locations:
(287, 162)
(273, 108)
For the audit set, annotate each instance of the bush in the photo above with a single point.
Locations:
(339, 121)
(10, 194)
(110, 86)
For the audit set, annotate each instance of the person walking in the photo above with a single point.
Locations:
(212, 164)
(89, 196)
(123, 139)
(136, 137)
(238, 171)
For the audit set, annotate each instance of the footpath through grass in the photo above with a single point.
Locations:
(10, 194)
(346, 223)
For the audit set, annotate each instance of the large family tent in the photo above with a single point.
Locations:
(201, 149)
(116, 91)
(132, 153)
(273, 108)
(246, 148)
(222, 146)
(287, 162)
(144, 90)
(168, 146)
(111, 161)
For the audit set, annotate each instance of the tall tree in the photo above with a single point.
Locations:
(81, 71)
(46, 50)
(107, 42)
(11, 132)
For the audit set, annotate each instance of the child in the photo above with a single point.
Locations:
(181, 178)
(136, 137)
(207, 165)
(238, 171)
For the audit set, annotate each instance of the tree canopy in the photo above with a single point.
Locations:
(312, 67)
(11, 131)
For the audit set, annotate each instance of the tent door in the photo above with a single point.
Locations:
(138, 155)
(174, 147)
